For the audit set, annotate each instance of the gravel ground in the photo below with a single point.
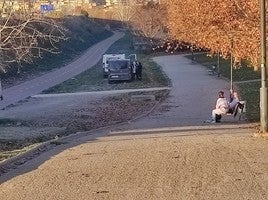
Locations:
(184, 164)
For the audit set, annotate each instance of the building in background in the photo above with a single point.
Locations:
(65, 6)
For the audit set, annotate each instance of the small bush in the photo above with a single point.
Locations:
(84, 12)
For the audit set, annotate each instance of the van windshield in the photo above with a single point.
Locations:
(116, 65)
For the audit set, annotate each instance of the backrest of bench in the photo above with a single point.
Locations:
(244, 103)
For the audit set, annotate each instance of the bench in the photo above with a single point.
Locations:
(139, 98)
(239, 110)
(212, 71)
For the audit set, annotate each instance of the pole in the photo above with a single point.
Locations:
(231, 63)
(231, 72)
(263, 89)
(218, 64)
(192, 52)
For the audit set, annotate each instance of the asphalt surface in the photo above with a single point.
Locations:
(37, 85)
(192, 97)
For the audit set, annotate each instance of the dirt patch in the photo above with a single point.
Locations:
(215, 165)
(39, 119)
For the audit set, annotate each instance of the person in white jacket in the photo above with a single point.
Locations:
(220, 108)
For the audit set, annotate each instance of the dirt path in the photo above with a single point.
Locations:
(163, 156)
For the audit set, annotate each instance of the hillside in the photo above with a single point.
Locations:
(82, 33)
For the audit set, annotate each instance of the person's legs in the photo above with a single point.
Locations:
(138, 74)
(218, 118)
(214, 113)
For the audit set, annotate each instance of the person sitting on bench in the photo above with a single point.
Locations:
(220, 108)
(234, 100)
(236, 105)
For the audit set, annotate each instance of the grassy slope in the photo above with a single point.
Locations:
(82, 33)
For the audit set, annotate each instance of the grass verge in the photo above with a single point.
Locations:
(4, 155)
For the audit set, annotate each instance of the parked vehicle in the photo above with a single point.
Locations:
(108, 57)
(119, 70)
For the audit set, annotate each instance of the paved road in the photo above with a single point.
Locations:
(192, 97)
(37, 85)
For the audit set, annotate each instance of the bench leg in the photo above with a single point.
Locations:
(218, 118)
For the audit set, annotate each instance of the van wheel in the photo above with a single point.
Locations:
(109, 81)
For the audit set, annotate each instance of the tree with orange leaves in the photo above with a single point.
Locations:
(225, 26)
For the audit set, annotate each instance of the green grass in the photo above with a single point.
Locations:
(247, 91)
(92, 79)
(4, 155)
(251, 93)
(242, 73)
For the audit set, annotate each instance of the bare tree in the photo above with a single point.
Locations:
(125, 10)
(25, 34)
(149, 20)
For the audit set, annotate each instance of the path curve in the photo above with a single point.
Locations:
(37, 85)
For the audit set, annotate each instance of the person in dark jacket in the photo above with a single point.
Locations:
(139, 71)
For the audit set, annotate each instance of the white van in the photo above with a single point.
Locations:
(106, 58)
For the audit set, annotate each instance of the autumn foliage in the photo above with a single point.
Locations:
(225, 26)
